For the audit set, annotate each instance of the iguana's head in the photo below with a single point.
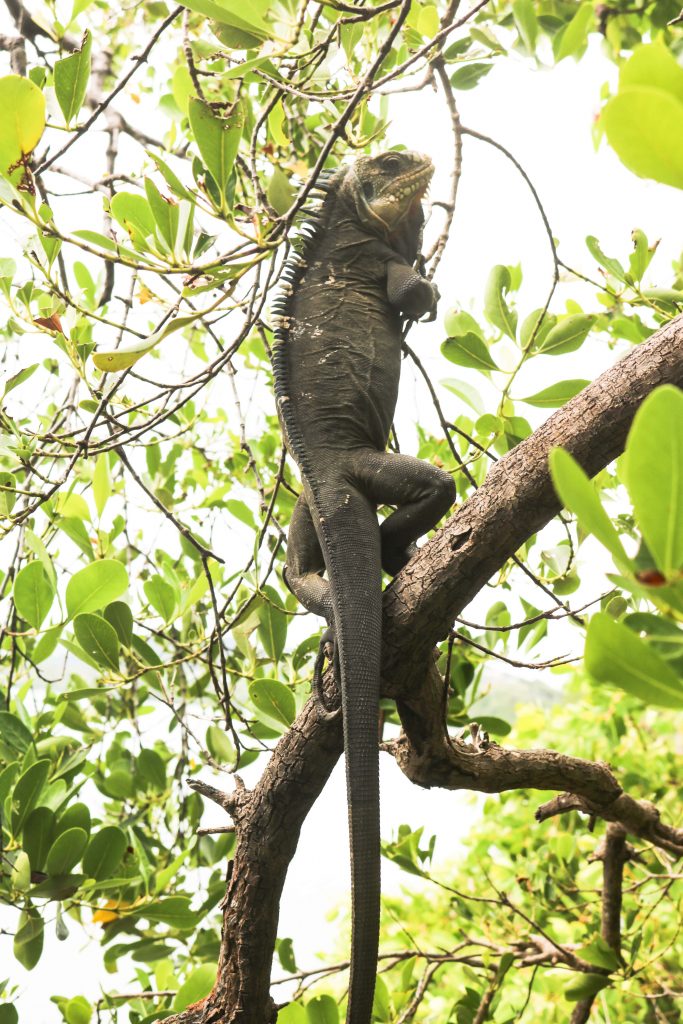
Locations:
(385, 189)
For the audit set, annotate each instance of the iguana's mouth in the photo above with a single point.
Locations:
(412, 185)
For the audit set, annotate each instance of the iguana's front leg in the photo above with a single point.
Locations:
(408, 291)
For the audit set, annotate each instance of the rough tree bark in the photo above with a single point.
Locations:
(515, 501)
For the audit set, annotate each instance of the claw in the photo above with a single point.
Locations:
(327, 641)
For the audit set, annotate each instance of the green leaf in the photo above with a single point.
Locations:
(134, 214)
(161, 596)
(574, 38)
(217, 139)
(285, 953)
(101, 482)
(172, 180)
(7, 779)
(655, 66)
(608, 262)
(578, 494)
(535, 325)
(14, 733)
(240, 511)
(248, 17)
(98, 639)
(567, 335)
(119, 615)
(8, 1014)
(123, 358)
(654, 475)
(166, 214)
(556, 395)
(28, 940)
(651, 82)
(495, 307)
(468, 350)
(95, 586)
(71, 76)
(458, 322)
(219, 745)
(23, 120)
(7, 497)
(38, 836)
(467, 76)
(526, 22)
(272, 627)
(642, 254)
(18, 378)
(614, 654)
(196, 986)
(152, 769)
(322, 1010)
(273, 701)
(75, 816)
(104, 852)
(280, 192)
(78, 1011)
(174, 911)
(292, 1013)
(66, 851)
(585, 986)
(644, 126)
(466, 392)
(600, 954)
(33, 593)
(57, 887)
(26, 793)
(21, 872)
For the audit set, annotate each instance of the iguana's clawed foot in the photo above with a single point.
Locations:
(394, 559)
(326, 650)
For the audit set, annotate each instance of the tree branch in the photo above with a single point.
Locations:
(515, 501)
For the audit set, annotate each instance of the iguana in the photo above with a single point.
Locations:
(336, 364)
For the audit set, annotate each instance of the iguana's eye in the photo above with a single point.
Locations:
(368, 190)
(392, 164)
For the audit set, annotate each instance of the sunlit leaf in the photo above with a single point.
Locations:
(273, 700)
(654, 475)
(469, 350)
(98, 638)
(28, 939)
(614, 654)
(104, 852)
(66, 851)
(578, 494)
(95, 586)
(196, 986)
(495, 305)
(33, 593)
(23, 119)
(71, 76)
(567, 335)
(217, 139)
(556, 395)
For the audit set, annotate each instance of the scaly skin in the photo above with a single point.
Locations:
(337, 364)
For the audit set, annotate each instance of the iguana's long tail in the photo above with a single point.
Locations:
(351, 545)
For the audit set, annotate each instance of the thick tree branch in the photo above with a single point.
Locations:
(515, 501)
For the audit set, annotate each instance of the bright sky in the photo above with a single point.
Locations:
(545, 118)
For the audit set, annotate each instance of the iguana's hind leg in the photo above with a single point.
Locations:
(305, 564)
(422, 493)
(303, 576)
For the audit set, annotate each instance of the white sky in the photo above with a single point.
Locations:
(545, 118)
